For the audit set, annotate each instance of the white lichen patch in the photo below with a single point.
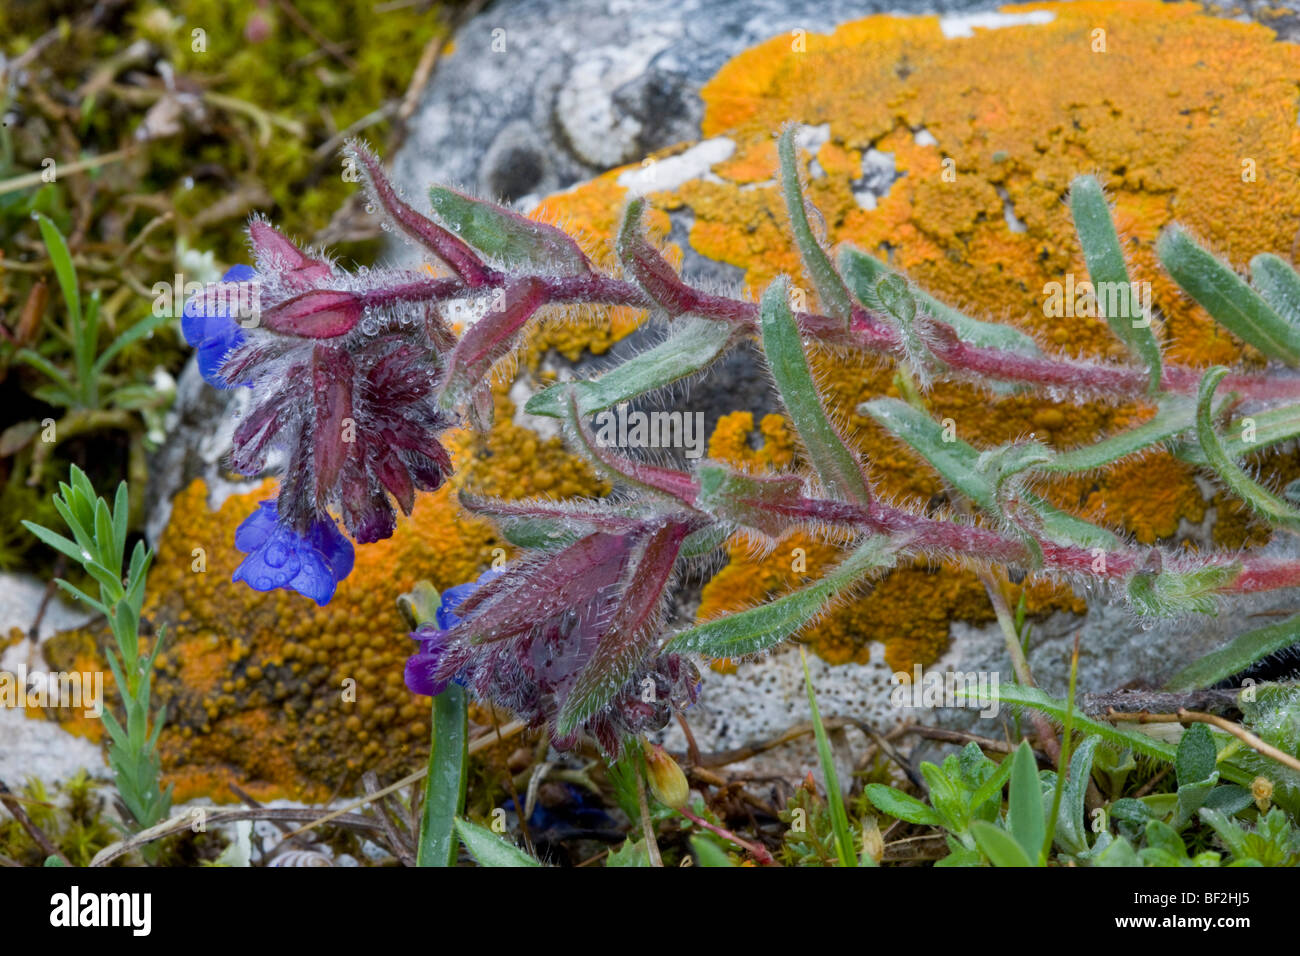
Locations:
(663, 175)
(965, 25)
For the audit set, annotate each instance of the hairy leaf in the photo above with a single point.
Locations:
(506, 237)
(831, 459)
(692, 345)
(1107, 269)
(1227, 298)
(762, 628)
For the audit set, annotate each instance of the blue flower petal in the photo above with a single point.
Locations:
(330, 543)
(214, 333)
(311, 564)
(315, 580)
(257, 527)
(239, 273)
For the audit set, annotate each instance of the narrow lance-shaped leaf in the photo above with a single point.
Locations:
(1117, 297)
(692, 344)
(830, 288)
(444, 792)
(1025, 817)
(834, 463)
(762, 628)
(1248, 434)
(1277, 511)
(834, 796)
(1279, 284)
(999, 846)
(64, 270)
(504, 236)
(629, 635)
(955, 460)
(1237, 656)
(958, 463)
(864, 272)
(1227, 298)
(1175, 414)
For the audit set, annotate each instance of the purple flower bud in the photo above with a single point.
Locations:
(278, 557)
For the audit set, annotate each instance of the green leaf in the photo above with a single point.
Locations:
(830, 288)
(56, 541)
(900, 805)
(1238, 655)
(1071, 823)
(864, 272)
(1269, 505)
(1279, 285)
(1263, 428)
(1025, 817)
(488, 848)
(831, 459)
(64, 270)
(1175, 593)
(1197, 755)
(1109, 273)
(1229, 798)
(135, 333)
(844, 847)
(444, 787)
(992, 786)
(954, 459)
(693, 344)
(80, 595)
(121, 515)
(1191, 797)
(708, 853)
(509, 239)
(42, 364)
(1119, 853)
(959, 464)
(1233, 836)
(1064, 528)
(1175, 414)
(762, 628)
(998, 845)
(53, 860)
(1165, 840)
(1227, 298)
(631, 854)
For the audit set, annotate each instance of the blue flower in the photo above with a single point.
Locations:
(312, 564)
(421, 667)
(209, 327)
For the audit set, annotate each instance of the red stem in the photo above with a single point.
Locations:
(869, 331)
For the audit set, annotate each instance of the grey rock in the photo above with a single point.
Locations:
(541, 94)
